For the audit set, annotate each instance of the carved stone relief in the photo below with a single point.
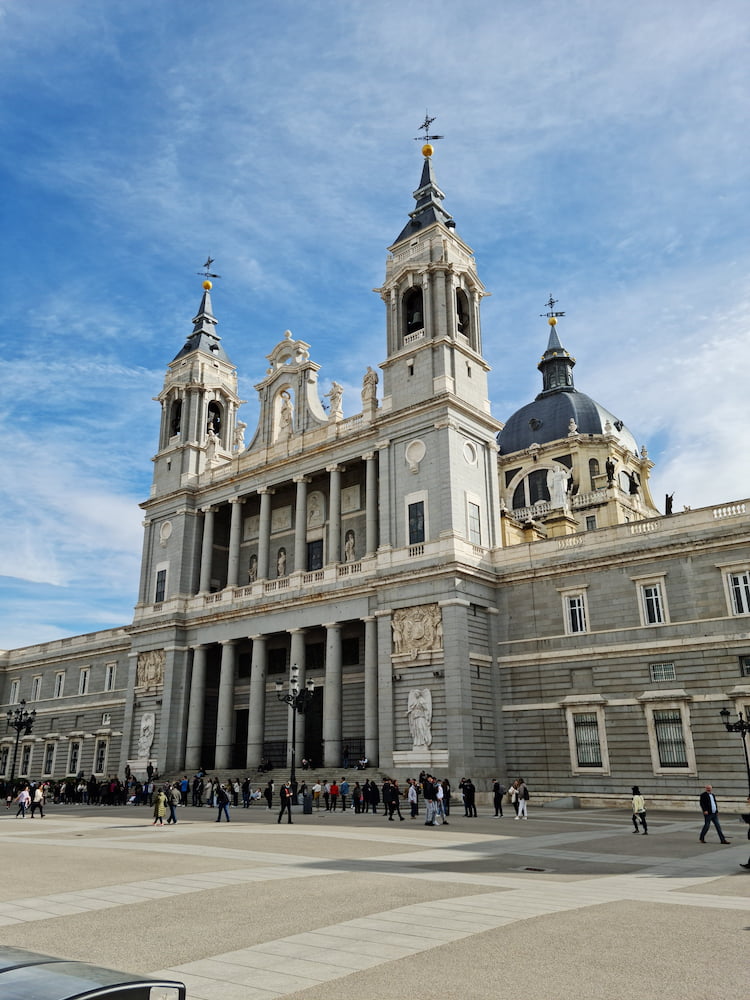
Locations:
(150, 670)
(417, 630)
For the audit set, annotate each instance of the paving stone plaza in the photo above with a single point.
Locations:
(568, 904)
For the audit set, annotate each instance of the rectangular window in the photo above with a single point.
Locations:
(670, 739)
(59, 684)
(83, 680)
(277, 661)
(106, 718)
(25, 760)
(315, 555)
(161, 586)
(350, 652)
(100, 758)
(475, 527)
(13, 695)
(591, 523)
(4, 753)
(74, 757)
(653, 608)
(661, 671)
(315, 655)
(416, 523)
(588, 747)
(745, 666)
(576, 607)
(110, 672)
(739, 588)
(49, 759)
(36, 688)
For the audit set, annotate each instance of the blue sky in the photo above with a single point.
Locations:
(593, 150)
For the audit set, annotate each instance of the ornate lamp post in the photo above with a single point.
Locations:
(741, 726)
(298, 702)
(22, 721)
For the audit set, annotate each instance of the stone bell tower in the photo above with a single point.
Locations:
(432, 294)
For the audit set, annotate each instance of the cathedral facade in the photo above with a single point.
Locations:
(458, 595)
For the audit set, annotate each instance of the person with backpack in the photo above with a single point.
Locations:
(222, 801)
(523, 798)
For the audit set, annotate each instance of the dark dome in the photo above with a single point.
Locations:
(548, 418)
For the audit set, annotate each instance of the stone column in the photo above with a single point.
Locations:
(264, 531)
(451, 305)
(427, 310)
(225, 708)
(332, 698)
(384, 496)
(300, 525)
(297, 656)
(371, 690)
(257, 716)
(207, 550)
(334, 514)
(386, 700)
(371, 503)
(235, 540)
(194, 741)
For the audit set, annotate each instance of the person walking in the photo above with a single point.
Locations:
(497, 797)
(268, 793)
(24, 800)
(711, 815)
(37, 801)
(639, 810)
(413, 798)
(174, 799)
(160, 808)
(222, 801)
(285, 796)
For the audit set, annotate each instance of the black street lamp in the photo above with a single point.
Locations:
(741, 726)
(22, 721)
(298, 702)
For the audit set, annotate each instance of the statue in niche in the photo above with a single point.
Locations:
(335, 394)
(369, 388)
(146, 735)
(150, 669)
(557, 484)
(281, 562)
(417, 630)
(609, 465)
(286, 417)
(212, 443)
(252, 569)
(239, 436)
(419, 712)
(349, 546)
(314, 510)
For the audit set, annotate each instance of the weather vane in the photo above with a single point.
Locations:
(206, 272)
(550, 304)
(426, 127)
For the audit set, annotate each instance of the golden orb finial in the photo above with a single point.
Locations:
(552, 321)
(207, 285)
(427, 149)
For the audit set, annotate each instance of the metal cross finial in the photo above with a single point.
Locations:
(550, 304)
(206, 272)
(426, 127)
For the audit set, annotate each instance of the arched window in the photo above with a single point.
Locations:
(593, 471)
(413, 311)
(214, 417)
(463, 323)
(531, 489)
(175, 418)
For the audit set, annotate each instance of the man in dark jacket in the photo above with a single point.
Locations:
(710, 815)
(285, 795)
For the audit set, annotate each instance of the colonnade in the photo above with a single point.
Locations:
(259, 693)
(266, 493)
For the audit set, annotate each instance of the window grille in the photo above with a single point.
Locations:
(588, 747)
(739, 588)
(670, 739)
(662, 671)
